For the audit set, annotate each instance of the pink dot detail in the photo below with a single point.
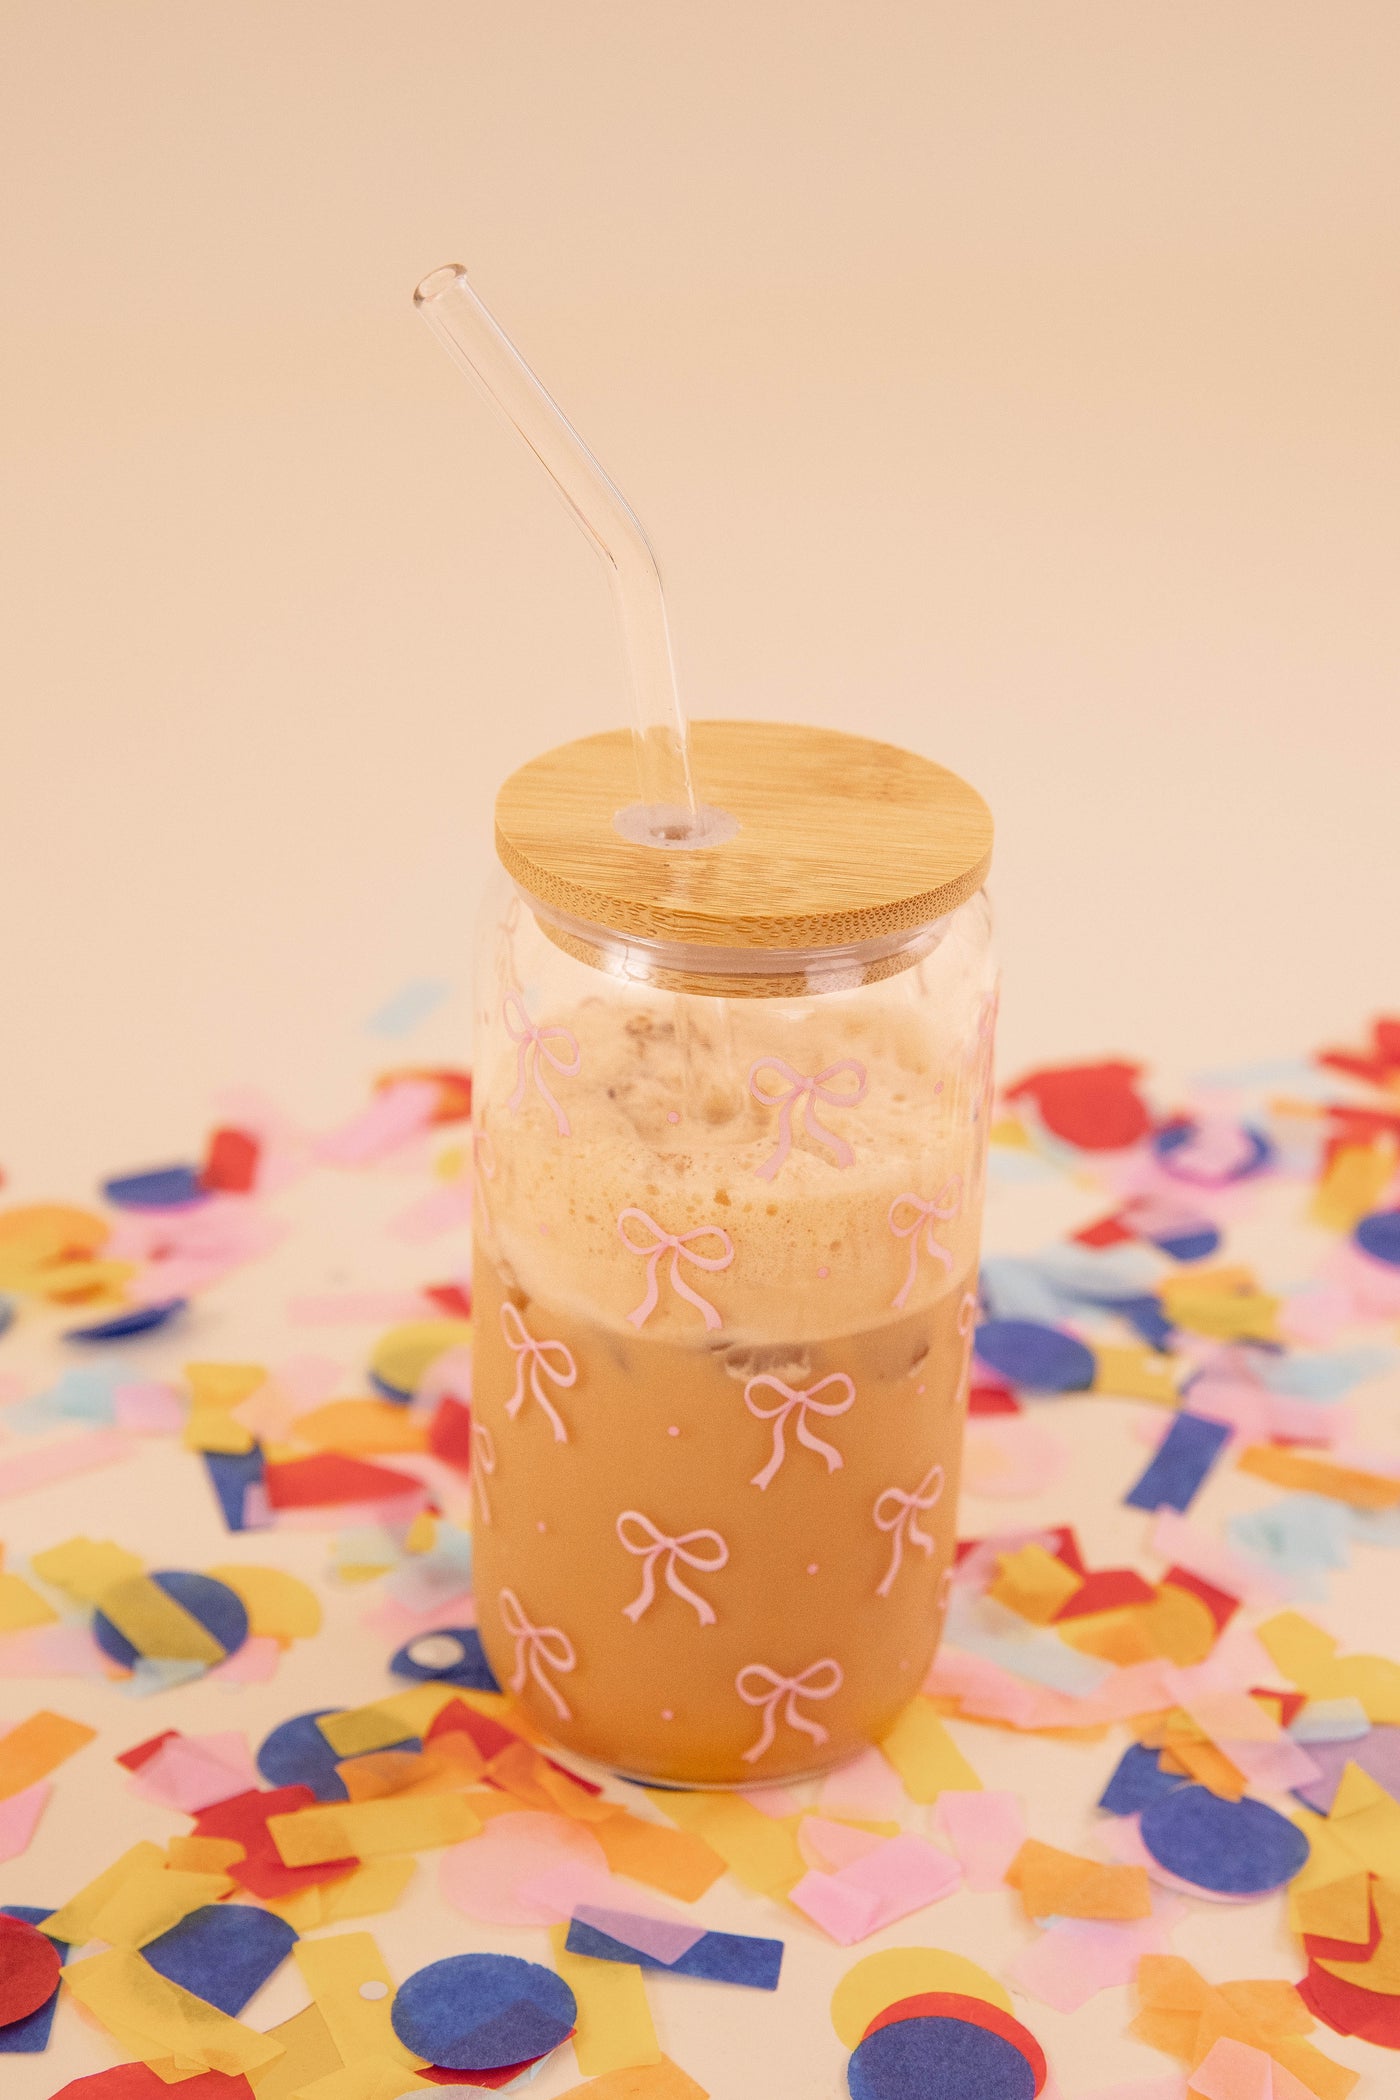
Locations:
(539, 1524)
(939, 1088)
(673, 1115)
(921, 1389)
(673, 1430)
(823, 1271)
(811, 1567)
(666, 1714)
(544, 1232)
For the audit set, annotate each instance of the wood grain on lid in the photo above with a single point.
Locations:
(840, 839)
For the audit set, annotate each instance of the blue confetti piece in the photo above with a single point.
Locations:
(400, 1395)
(85, 1393)
(446, 1655)
(297, 1754)
(413, 1002)
(231, 1474)
(984, 1627)
(914, 2059)
(30, 2035)
(1190, 1246)
(477, 2012)
(7, 1312)
(159, 1188)
(716, 1957)
(223, 1953)
(1143, 1314)
(1013, 1288)
(1379, 1236)
(1177, 1473)
(1175, 1139)
(1043, 1359)
(220, 1610)
(1234, 1848)
(1138, 1780)
(141, 1320)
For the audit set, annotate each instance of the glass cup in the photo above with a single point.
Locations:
(726, 1215)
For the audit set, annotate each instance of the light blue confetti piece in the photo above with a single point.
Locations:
(152, 1675)
(1012, 1165)
(1289, 1075)
(1375, 1527)
(1330, 1721)
(87, 1393)
(1325, 1375)
(1014, 1288)
(411, 1004)
(1096, 1274)
(983, 1627)
(1298, 1537)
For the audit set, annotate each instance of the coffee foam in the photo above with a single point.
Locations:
(673, 1131)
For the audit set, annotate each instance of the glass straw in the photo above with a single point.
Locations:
(668, 816)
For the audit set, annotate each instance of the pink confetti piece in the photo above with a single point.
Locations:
(978, 1567)
(12, 1387)
(448, 1377)
(901, 1875)
(1247, 1733)
(395, 1115)
(1318, 1315)
(442, 1210)
(1182, 1544)
(395, 1624)
(397, 1514)
(774, 1801)
(867, 1786)
(664, 1939)
(486, 1878)
(987, 1692)
(148, 1407)
(1009, 1456)
(1171, 2087)
(827, 1847)
(285, 1151)
(1076, 1958)
(985, 1831)
(54, 1651)
(19, 1818)
(193, 1772)
(845, 1914)
(359, 1309)
(29, 1470)
(256, 1662)
(1235, 2071)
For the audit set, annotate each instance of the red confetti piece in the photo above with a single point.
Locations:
(231, 1162)
(139, 2082)
(1106, 1589)
(332, 1477)
(141, 1753)
(1219, 1603)
(244, 1818)
(29, 1969)
(457, 1718)
(1096, 1107)
(450, 1433)
(455, 1299)
(1373, 2016)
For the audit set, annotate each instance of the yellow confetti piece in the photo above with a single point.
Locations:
(215, 1429)
(334, 1971)
(1033, 1583)
(1178, 1627)
(760, 1851)
(83, 1568)
(1337, 1910)
(374, 1887)
(128, 1996)
(1117, 1636)
(277, 1604)
(925, 1755)
(37, 1747)
(365, 1427)
(223, 1384)
(309, 2053)
(364, 1829)
(614, 2024)
(377, 2079)
(364, 1728)
(1357, 1177)
(906, 1972)
(1224, 1303)
(421, 1535)
(1319, 1476)
(73, 1921)
(1057, 1884)
(677, 1862)
(1136, 1374)
(1011, 1133)
(155, 1624)
(1308, 1658)
(34, 1236)
(151, 1899)
(402, 1356)
(200, 1855)
(1381, 1970)
(21, 1605)
(83, 1282)
(662, 2081)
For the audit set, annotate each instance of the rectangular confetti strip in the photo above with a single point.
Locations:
(614, 2025)
(1184, 1459)
(309, 1837)
(37, 1747)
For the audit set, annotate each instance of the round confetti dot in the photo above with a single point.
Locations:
(218, 1609)
(1233, 1848)
(477, 2012)
(29, 1969)
(435, 1651)
(953, 2005)
(904, 1972)
(374, 1989)
(297, 1754)
(1379, 1236)
(951, 2058)
(401, 1358)
(1044, 1359)
(141, 1320)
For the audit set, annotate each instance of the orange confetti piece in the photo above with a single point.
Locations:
(37, 1747)
(1064, 1885)
(1319, 1476)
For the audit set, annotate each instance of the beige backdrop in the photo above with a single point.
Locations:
(1020, 381)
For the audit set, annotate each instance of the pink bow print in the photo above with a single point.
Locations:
(552, 1360)
(536, 1647)
(483, 1464)
(803, 1402)
(531, 1051)
(681, 1248)
(806, 1092)
(899, 1513)
(946, 1204)
(820, 1680)
(653, 1544)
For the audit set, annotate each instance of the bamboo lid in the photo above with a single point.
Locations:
(840, 839)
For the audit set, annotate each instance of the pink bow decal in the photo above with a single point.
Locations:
(653, 1544)
(527, 1040)
(899, 1513)
(536, 1647)
(552, 1360)
(820, 1680)
(946, 1204)
(806, 1092)
(803, 1402)
(483, 1464)
(681, 1248)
